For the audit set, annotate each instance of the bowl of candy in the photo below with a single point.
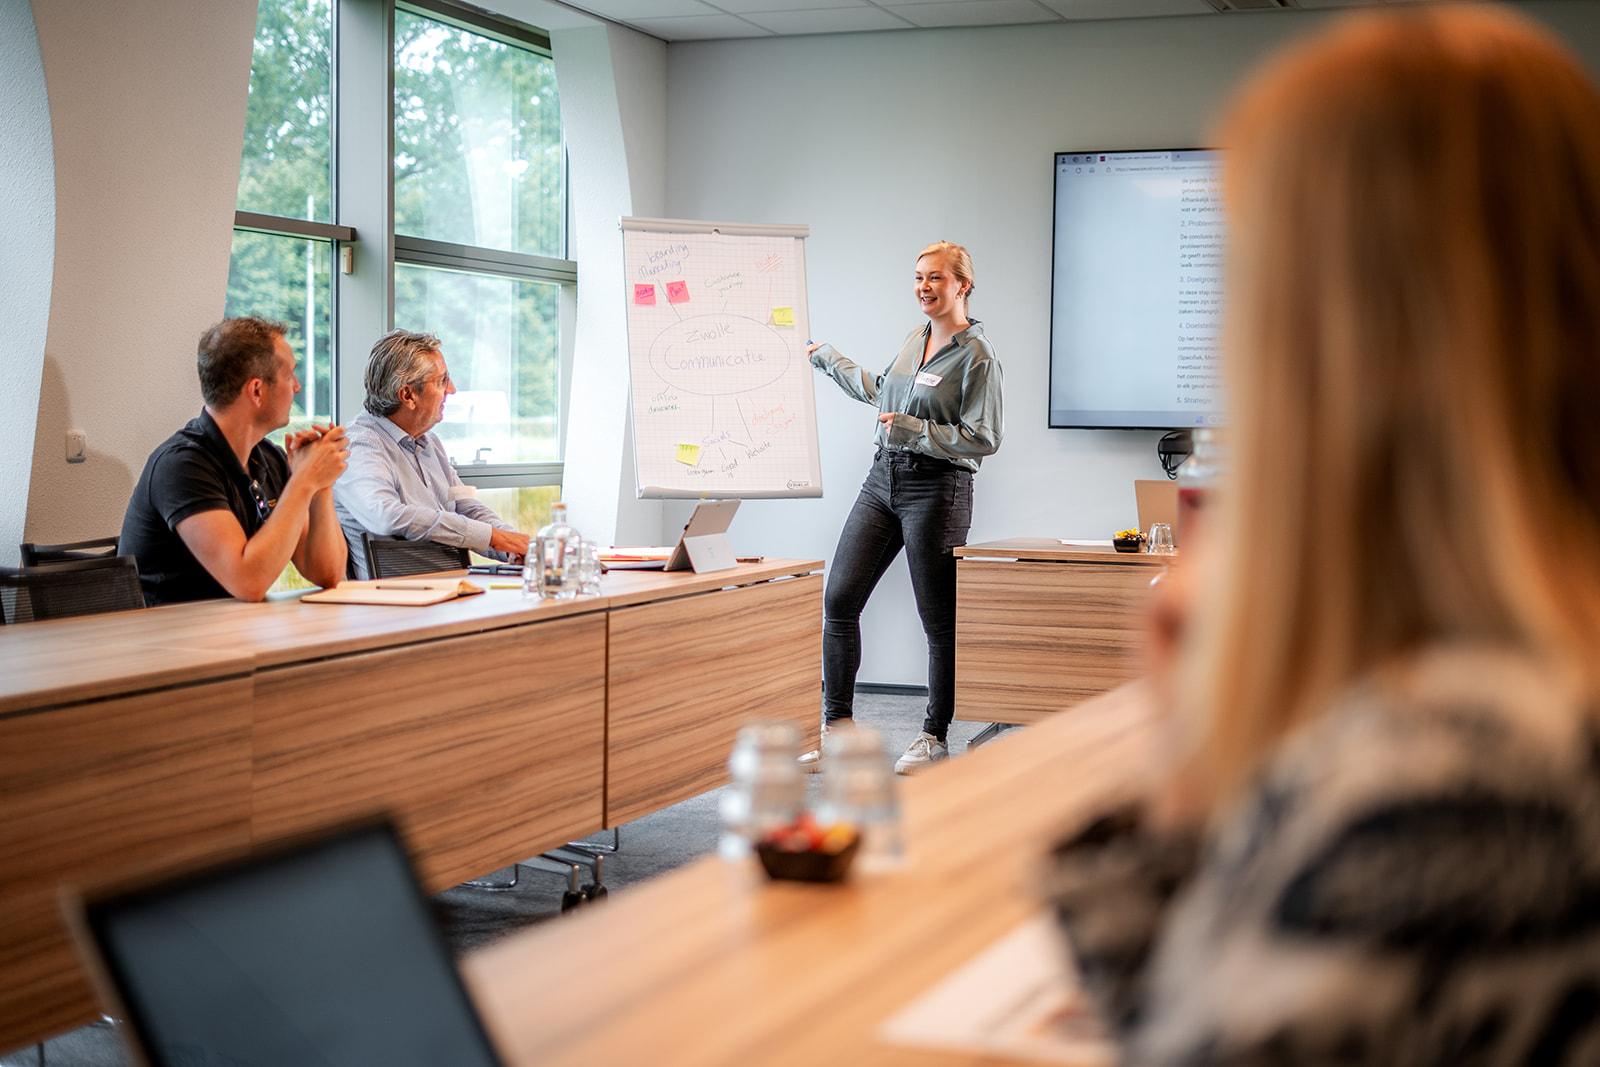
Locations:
(1127, 540)
(806, 851)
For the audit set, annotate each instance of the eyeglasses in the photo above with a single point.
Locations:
(263, 505)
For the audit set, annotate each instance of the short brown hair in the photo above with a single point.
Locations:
(234, 351)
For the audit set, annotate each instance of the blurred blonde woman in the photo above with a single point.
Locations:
(1382, 844)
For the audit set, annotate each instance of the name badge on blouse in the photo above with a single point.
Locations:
(930, 380)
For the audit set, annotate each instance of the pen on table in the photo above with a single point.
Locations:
(749, 559)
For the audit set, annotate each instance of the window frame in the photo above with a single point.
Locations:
(479, 261)
(363, 244)
(336, 236)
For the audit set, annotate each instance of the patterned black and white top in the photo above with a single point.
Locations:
(1413, 879)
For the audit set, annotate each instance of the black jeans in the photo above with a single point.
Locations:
(925, 506)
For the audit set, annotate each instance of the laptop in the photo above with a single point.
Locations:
(1157, 500)
(317, 953)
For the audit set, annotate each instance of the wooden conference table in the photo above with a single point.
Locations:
(1041, 625)
(713, 964)
(492, 727)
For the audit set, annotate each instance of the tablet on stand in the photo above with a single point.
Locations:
(704, 545)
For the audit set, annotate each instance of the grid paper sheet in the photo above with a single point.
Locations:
(723, 399)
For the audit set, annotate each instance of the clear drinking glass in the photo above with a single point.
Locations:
(858, 787)
(1159, 543)
(588, 569)
(767, 790)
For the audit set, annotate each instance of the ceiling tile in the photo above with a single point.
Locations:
(628, 10)
(745, 7)
(1127, 9)
(831, 20)
(973, 13)
(699, 28)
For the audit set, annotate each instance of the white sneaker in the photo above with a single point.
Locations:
(811, 762)
(925, 750)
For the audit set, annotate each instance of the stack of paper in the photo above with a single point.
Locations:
(636, 558)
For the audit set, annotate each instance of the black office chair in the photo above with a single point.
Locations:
(391, 558)
(62, 590)
(99, 548)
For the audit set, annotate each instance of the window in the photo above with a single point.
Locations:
(479, 241)
(284, 239)
(480, 209)
(477, 132)
(499, 336)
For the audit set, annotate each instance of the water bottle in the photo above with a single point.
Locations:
(768, 788)
(1197, 479)
(858, 787)
(551, 571)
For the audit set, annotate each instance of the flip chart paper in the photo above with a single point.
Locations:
(709, 365)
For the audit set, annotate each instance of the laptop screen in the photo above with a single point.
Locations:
(321, 954)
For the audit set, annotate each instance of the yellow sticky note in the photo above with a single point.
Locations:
(689, 455)
(783, 316)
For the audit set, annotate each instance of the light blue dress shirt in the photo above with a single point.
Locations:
(396, 485)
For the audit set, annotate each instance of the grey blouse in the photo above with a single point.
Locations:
(948, 409)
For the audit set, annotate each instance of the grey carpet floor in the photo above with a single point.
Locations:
(471, 917)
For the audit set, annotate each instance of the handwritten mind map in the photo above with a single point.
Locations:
(723, 402)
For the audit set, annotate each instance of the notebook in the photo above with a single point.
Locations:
(407, 592)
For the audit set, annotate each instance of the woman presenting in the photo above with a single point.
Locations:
(939, 414)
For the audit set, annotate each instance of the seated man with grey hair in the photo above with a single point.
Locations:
(399, 482)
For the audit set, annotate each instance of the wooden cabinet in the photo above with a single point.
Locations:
(1037, 635)
(107, 789)
(486, 749)
(685, 674)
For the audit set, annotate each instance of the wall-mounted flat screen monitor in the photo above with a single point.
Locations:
(1136, 289)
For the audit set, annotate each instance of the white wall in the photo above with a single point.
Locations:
(884, 142)
(147, 102)
(27, 174)
(613, 111)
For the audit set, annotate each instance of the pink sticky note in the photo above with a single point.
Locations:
(677, 292)
(644, 294)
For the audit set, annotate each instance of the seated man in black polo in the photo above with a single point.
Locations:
(219, 511)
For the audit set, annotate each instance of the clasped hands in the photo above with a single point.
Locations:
(318, 454)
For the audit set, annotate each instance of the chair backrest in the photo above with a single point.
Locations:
(99, 548)
(62, 590)
(322, 952)
(389, 558)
